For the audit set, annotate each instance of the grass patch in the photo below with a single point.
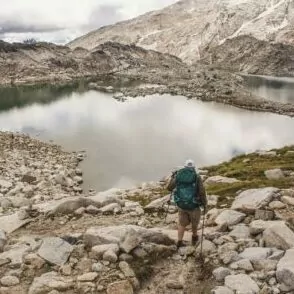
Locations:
(249, 169)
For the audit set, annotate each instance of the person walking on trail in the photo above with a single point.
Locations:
(189, 195)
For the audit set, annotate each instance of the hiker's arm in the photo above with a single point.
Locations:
(202, 192)
(171, 183)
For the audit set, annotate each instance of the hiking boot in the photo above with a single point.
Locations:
(194, 240)
(180, 244)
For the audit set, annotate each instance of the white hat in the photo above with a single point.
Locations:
(189, 163)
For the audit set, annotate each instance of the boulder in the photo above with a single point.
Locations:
(220, 180)
(9, 281)
(285, 271)
(222, 290)
(231, 217)
(111, 208)
(274, 174)
(5, 184)
(277, 205)
(10, 223)
(98, 251)
(207, 247)
(88, 277)
(121, 287)
(240, 232)
(130, 241)
(15, 254)
(265, 265)
(110, 256)
(243, 264)
(3, 240)
(55, 250)
(264, 214)
(250, 200)
(279, 236)
(157, 204)
(50, 281)
(258, 226)
(220, 273)
(242, 284)
(116, 235)
(288, 200)
(126, 269)
(255, 253)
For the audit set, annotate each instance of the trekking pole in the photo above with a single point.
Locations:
(202, 235)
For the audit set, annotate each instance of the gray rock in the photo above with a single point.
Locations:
(55, 250)
(98, 251)
(220, 179)
(207, 247)
(277, 205)
(277, 255)
(110, 208)
(265, 265)
(10, 223)
(274, 174)
(230, 217)
(110, 256)
(107, 235)
(127, 257)
(5, 184)
(157, 204)
(222, 290)
(175, 285)
(91, 209)
(243, 264)
(279, 236)
(285, 271)
(126, 269)
(240, 232)
(139, 253)
(241, 283)
(258, 226)
(265, 215)
(250, 200)
(212, 200)
(3, 240)
(121, 287)
(130, 241)
(220, 273)
(9, 281)
(288, 200)
(88, 277)
(50, 281)
(229, 257)
(97, 267)
(15, 254)
(255, 253)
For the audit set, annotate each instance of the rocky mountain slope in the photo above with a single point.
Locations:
(123, 241)
(21, 63)
(187, 28)
(249, 55)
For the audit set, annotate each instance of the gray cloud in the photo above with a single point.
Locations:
(104, 15)
(19, 27)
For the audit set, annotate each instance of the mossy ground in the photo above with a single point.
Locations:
(249, 169)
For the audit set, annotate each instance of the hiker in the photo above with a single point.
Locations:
(189, 195)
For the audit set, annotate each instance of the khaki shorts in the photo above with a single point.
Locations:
(187, 217)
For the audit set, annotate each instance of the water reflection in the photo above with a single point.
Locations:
(272, 88)
(144, 138)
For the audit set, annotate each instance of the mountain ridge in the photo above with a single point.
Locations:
(187, 28)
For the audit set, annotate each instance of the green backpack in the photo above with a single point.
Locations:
(186, 188)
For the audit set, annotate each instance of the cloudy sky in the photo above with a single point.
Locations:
(61, 21)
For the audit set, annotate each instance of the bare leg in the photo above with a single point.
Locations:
(181, 232)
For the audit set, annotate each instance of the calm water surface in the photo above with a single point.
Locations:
(272, 88)
(141, 139)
